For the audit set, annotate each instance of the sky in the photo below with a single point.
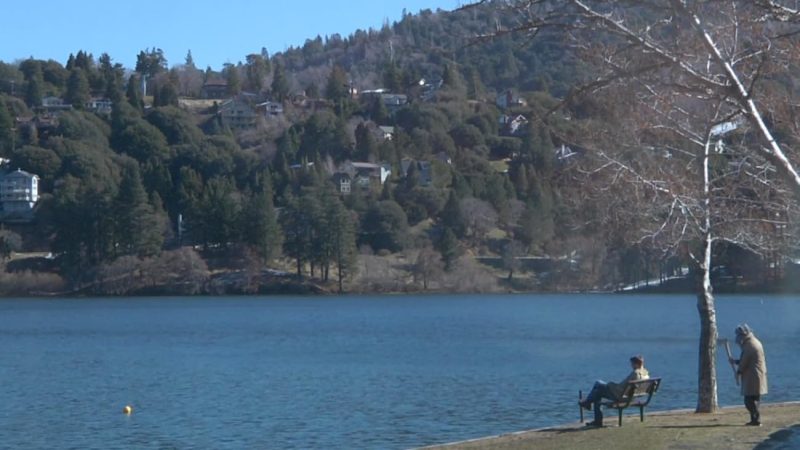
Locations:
(216, 32)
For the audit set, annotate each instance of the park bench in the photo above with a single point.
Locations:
(636, 393)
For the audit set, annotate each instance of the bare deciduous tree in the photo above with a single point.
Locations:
(684, 75)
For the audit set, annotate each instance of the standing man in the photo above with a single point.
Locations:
(752, 366)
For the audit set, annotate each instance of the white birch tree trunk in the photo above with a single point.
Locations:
(707, 370)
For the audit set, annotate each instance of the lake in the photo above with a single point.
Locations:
(373, 372)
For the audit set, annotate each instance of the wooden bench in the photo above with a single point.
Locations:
(636, 393)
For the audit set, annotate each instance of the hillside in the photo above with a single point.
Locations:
(410, 157)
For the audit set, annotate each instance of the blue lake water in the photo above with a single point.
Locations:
(387, 372)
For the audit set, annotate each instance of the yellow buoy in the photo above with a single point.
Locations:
(128, 409)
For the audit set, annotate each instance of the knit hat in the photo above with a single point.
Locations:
(743, 330)
(639, 359)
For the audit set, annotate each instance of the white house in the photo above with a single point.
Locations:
(19, 192)
(363, 174)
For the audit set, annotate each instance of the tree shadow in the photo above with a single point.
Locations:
(716, 425)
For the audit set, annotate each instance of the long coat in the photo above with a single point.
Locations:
(753, 367)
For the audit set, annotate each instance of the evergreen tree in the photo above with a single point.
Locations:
(150, 63)
(137, 224)
(312, 91)
(536, 226)
(166, 95)
(544, 153)
(6, 129)
(134, 94)
(385, 226)
(84, 61)
(519, 175)
(231, 74)
(378, 112)
(77, 88)
(452, 217)
(280, 84)
(475, 88)
(33, 90)
(449, 248)
(340, 232)
(298, 220)
(189, 61)
(214, 220)
(112, 75)
(338, 86)
(392, 78)
(256, 71)
(260, 223)
(366, 148)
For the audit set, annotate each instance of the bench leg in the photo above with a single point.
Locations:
(620, 416)
(641, 414)
(580, 408)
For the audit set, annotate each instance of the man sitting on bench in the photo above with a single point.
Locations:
(612, 391)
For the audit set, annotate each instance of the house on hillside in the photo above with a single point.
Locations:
(512, 125)
(214, 89)
(391, 101)
(19, 192)
(423, 168)
(386, 133)
(362, 174)
(394, 102)
(53, 105)
(343, 182)
(508, 99)
(270, 109)
(564, 153)
(429, 87)
(43, 124)
(99, 106)
(237, 114)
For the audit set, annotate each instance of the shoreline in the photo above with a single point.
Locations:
(678, 428)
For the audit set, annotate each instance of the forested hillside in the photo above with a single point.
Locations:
(407, 158)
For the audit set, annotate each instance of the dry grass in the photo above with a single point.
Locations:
(669, 430)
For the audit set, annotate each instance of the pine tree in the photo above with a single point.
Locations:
(77, 88)
(231, 74)
(392, 79)
(6, 129)
(341, 233)
(260, 223)
(448, 247)
(134, 94)
(337, 88)
(452, 217)
(33, 90)
(189, 61)
(280, 84)
(256, 71)
(366, 148)
(137, 224)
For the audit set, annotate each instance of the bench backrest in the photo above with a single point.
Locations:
(640, 388)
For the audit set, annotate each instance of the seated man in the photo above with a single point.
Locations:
(612, 391)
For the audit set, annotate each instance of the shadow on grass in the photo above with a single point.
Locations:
(716, 425)
(788, 438)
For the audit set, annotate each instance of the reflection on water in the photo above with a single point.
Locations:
(347, 372)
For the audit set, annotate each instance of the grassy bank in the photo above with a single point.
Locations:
(668, 430)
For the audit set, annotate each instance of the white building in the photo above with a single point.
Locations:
(19, 192)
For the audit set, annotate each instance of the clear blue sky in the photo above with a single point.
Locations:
(216, 31)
